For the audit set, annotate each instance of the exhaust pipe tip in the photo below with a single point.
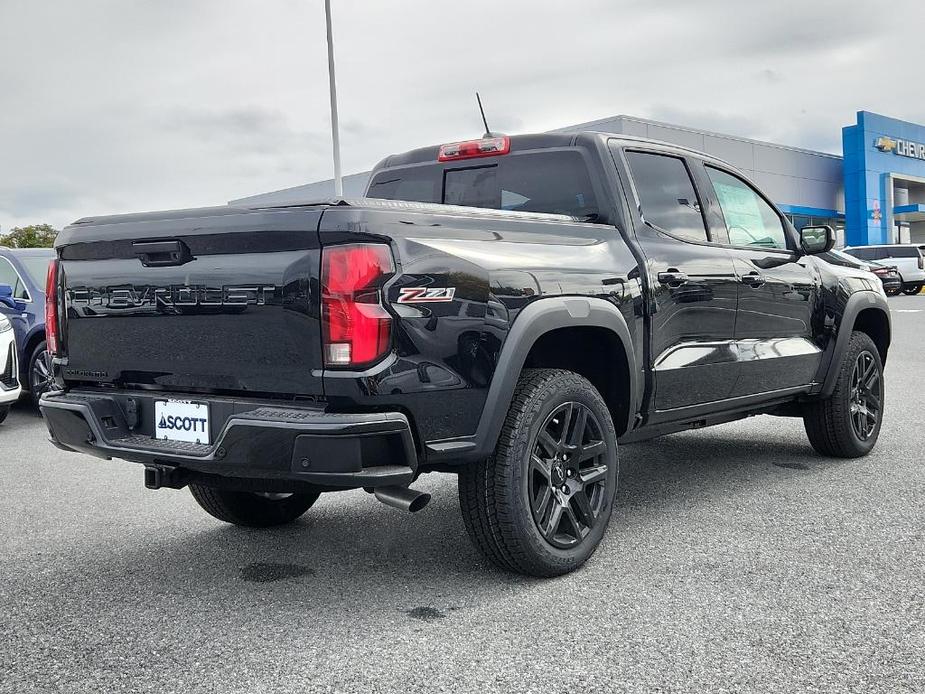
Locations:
(402, 498)
(420, 501)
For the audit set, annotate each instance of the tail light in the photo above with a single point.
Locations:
(356, 328)
(51, 307)
(473, 149)
(921, 261)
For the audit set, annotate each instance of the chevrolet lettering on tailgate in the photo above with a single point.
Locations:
(176, 295)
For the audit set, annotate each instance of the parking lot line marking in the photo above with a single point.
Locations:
(907, 310)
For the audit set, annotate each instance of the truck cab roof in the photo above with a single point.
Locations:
(533, 141)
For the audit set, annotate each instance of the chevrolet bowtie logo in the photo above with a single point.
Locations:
(885, 144)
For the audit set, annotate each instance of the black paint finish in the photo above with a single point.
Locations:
(240, 316)
(225, 302)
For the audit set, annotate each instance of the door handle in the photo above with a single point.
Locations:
(753, 279)
(672, 277)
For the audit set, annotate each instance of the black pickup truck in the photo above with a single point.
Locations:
(508, 309)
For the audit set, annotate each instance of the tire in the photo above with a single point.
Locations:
(508, 497)
(837, 426)
(252, 509)
(912, 289)
(4, 411)
(39, 378)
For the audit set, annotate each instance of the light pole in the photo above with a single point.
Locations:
(335, 134)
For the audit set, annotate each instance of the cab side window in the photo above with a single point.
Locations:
(666, 195)
(750, 220)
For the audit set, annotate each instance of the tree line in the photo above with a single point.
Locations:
(31, 236)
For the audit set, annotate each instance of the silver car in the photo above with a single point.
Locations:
(9, 368)
(908, 258)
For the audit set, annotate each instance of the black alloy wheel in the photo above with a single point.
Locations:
(866, 395)
(40, 376)
(568, 475)
(846, 424)
(541, 503)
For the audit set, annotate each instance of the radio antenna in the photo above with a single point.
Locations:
(488, 132)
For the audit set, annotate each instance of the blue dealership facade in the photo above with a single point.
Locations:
(884, 172)
(873, 193)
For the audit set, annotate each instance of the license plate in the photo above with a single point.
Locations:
(181, 420)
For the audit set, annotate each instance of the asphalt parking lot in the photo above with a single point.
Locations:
(737, 560)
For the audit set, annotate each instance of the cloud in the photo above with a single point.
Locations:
(45, 192)
(770, 76)
(126, 105)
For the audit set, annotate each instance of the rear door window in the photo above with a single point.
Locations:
(666, 195)
(8, 275)
(556, 182)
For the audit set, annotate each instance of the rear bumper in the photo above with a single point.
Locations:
(253, 439)
(891, 282)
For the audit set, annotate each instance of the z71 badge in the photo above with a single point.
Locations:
(425, 295)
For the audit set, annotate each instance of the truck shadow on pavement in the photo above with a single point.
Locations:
(693, 466)
(348, 547)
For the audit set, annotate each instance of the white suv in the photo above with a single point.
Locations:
(907, 257)
(9, 368)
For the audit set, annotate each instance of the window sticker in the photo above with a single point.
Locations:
(740, 206)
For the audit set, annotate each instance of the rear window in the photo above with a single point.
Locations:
(865, 253)
(901, 252)
(550, 182)
(840, 258)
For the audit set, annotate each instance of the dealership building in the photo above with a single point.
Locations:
(874, 193)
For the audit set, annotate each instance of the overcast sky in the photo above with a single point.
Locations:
(130, 105)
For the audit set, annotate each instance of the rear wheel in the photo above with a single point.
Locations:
(252, 509)
(4, 411)
(40, 379)
(847, 424)
(912, 289)
(541, 503)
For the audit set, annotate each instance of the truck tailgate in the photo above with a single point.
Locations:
(216, 300)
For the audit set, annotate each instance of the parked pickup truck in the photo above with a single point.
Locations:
(507, 309)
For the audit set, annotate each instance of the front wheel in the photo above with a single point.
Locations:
(912, 289)
(541, 503)
(847, 424)
(252, 509)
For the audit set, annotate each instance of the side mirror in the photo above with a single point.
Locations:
(817, 239)
(6, 298)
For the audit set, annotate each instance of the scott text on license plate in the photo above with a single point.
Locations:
(179, 420)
